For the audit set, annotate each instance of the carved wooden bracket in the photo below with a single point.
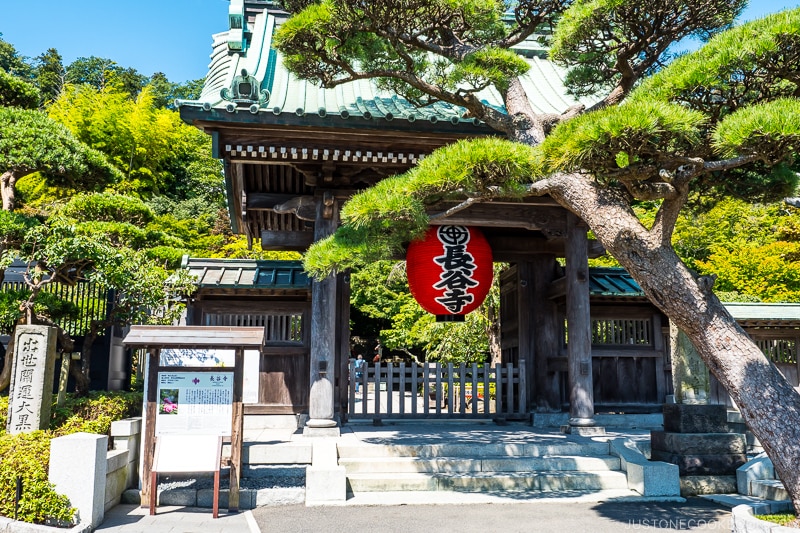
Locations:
(303, 207)
(327, 203)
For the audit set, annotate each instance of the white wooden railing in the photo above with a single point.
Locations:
(433, 390)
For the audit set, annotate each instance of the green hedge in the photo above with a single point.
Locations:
(28, 454)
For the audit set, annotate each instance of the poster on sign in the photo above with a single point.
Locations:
(217, 358)
(200, 403)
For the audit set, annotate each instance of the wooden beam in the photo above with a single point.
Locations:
(293, 241)
(237, 431)
(512, 249)
(150, 489)
(549, 220)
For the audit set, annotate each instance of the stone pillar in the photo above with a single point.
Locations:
(78, 469)
(32, 372)
(690, 377)
(323, 333)
(579, 324)
(326, 481)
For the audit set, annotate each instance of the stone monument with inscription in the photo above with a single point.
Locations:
(695, 435)
(690, 377)
(31, 389)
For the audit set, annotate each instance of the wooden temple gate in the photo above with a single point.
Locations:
(294, 153)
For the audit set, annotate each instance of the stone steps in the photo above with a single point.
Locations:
(474, 450)
(541, 481)
(768, 489)
(482, 467)
(456, 465)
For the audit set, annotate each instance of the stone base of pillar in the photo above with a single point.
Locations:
(321, 427)
(583, 431)
(582, 422)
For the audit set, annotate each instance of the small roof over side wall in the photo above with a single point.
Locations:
(194, 337)
(247, 273)
(765, 314)
(612, 282)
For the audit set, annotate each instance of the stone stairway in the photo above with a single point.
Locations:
(482, 467)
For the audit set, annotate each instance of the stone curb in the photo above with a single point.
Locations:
(744, 521)
(248, 498)
(7, 525)
(648, 478)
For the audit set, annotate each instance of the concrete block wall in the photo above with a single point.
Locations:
(123, 460)
(92, 476)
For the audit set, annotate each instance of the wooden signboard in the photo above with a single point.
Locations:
(187, 454)
(192, 402)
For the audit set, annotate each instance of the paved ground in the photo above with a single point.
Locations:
(443, 511)
(545, 517)
(135, 519)
(529, 517)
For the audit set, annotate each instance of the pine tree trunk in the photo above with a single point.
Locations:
(495, 349)
(8, 182)
(768, 403)
(5, 375)
(82, 373)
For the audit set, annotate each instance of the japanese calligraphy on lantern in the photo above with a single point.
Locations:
(457, 268)
(195, 402)
(450, 270)
(31, 379)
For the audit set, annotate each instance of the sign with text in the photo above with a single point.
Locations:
(195, 402)
(219, 358)
(31, 378)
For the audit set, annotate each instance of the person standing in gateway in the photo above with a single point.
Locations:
(378, 353)
(359, 368)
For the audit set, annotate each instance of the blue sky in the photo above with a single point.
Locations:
(170, 36)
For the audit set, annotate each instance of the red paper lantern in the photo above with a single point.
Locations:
(450, 271)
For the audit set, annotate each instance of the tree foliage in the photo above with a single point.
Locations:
(16, 92)
(656, 133)
(31, 142)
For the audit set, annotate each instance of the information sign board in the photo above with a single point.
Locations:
(200, 403)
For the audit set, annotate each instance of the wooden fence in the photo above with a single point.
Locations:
(433, 390)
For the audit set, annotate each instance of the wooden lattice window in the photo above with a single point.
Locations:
(779, 350)
(622, 332)
(279, 328)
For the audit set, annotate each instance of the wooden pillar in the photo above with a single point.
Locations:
(579, 334)
(546, 333)
(343, 340)
(527, 330)
(237, 431)
(151, 410)
(324, 315)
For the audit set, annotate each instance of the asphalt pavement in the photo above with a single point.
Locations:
(549, 516)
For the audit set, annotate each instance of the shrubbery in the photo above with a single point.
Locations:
(28, 454)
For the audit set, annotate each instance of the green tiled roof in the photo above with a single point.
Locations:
(764, 312)
(612, 282)
(247, 273)
(351, 105)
